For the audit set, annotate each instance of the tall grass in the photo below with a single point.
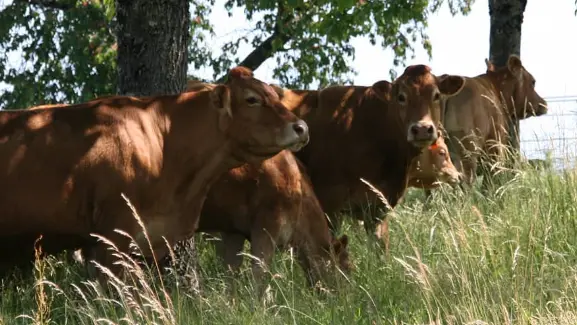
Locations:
(463, 258)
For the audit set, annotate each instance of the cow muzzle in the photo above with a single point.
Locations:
(541, 109)
(451, 176)
(422, 134)
(295, 136)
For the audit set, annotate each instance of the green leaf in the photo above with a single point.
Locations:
(344, 5)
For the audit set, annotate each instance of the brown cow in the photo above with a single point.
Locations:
(227, 207)
(369, 132)
(63, 169)
(477, 117)
(272, 204)
(248, 196)
(432, 167)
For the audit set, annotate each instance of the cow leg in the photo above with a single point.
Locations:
(393, 197)
(331, 198)
(463, 151)
(309, 265)
(262, 247)
(102, 255)
(335, 222)
(229, 248)
(312, 249)
(427, 194)
(184, 265)
(470, 170)
(487, 176)
(495, 155)
(372, 218)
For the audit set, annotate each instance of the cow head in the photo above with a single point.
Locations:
(518, 88)
(339, 246)
(435, 163)
(416, 96)
(255, 119)
(335, 255)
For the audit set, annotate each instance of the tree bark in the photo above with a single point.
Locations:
(152, 38)
(505, 39)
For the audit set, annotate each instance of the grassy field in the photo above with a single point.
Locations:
(463, 259)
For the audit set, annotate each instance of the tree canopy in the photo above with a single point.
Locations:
(68, 47)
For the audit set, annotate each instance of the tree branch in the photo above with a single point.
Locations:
(49, 4)
(265, 50)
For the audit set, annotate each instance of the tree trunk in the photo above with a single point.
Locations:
(152, 59)
(505, 39)
(152, 38)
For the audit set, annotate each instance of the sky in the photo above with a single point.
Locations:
(460, 46)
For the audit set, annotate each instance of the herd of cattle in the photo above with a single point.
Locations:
(244, 159)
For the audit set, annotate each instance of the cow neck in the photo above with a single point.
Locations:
(207, 174)
(302, 103)
(195, 155)
(396, 150)
(496, 80)
(397, 153)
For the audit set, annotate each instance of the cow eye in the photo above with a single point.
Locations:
(442, 153)
(436, 97)
(251, 100)
(533, 83)
(401, 98)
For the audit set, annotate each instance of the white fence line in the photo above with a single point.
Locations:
(554, 133)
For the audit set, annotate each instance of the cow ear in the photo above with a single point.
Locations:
(220, 97)
(197, 85)
(514, 65)
(450, 85)
(490, 65)
(191, 84)
(383, 89)
(278, 89)
(341, 243)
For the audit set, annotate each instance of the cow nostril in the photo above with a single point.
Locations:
(431, 129)
(299, 128)
(414, 129)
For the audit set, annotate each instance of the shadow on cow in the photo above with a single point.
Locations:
(64, 167)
